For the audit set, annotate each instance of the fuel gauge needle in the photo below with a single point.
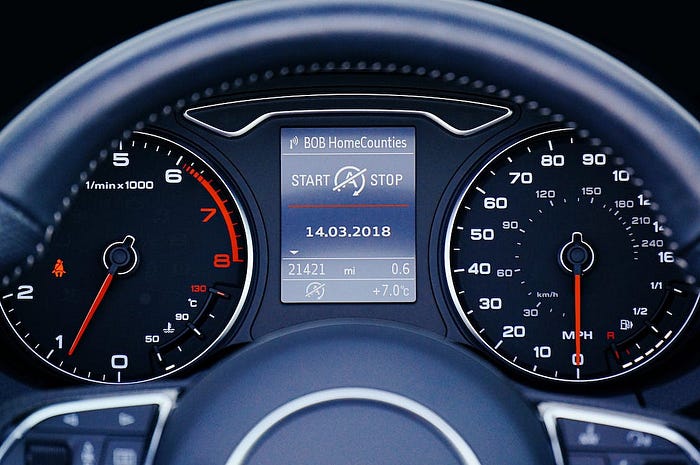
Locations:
(117, 256)
(93, 308)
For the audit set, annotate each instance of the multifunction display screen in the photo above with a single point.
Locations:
(348, 215)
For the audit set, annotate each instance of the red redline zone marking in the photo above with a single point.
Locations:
(220, 203)
(350, 205)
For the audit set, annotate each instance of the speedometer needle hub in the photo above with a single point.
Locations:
(576, 256)
(119, 258)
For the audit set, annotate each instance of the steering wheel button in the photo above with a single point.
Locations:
(124, 453)
(86, 449)
(45, 453)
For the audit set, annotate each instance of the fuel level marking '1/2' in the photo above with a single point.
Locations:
(558, 261)
(147, 271)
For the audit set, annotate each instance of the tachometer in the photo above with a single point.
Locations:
(147, 270)
(558, 260)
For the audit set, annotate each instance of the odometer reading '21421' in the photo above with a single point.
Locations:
(559, 261)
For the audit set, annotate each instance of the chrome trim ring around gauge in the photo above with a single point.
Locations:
(550, 412)
(426, 114)
(245, 447)
(164, 399)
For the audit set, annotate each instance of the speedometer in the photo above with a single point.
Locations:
(558, 260)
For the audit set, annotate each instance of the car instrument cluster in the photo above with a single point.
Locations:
(553, 255)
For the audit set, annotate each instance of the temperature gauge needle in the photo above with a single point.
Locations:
(118, 256)
(95, 303)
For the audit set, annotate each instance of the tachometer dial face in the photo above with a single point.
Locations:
(558, 260)
(149, 268)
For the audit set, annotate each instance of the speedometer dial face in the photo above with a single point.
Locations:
(148, 269)
(559, 262)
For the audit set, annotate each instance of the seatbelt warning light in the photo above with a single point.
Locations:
(58, 269)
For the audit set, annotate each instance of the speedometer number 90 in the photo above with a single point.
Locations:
(558, 261)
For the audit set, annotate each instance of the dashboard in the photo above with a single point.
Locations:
(342, 232)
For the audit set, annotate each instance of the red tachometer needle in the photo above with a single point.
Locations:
(119, 256)
(577, 313)
(95, 303)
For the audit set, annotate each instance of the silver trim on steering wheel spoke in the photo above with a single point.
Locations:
(163, 399)
(551, 412)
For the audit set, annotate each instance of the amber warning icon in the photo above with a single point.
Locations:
(58, 269)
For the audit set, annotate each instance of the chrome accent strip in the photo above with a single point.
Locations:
(550, 412)
(264, 117)
(165, 400)
(248, 443)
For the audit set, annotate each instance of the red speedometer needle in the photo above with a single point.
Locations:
(577, 313)
(577, 257)
(95, 303)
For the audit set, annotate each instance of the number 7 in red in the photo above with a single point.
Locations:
(210, 212)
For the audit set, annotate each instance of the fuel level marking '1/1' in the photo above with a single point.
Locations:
(147, 271)
(559, 262)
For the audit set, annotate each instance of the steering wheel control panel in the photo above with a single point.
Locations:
(117, 430)
(590, 436)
